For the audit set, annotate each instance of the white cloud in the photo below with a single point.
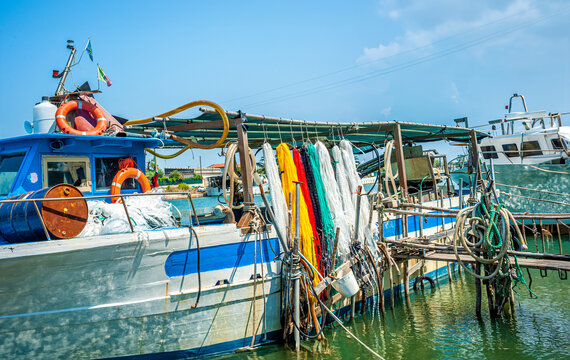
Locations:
(422, 39)
(386, 111)
(394, 14)
(455, 93)
(382, 51)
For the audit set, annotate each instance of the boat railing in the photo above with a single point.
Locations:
(120, 196)
(541, 118)
(488, 153)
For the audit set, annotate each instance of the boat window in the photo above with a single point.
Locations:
(105, 170)
(511, 150)
(489, 152)
(73, 170)
(531, 148)
(557, 144)
(9, 167)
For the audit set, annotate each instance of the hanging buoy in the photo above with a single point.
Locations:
(61, 115)
(128, 173)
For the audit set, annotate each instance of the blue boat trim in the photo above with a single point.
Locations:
(220, 257)
(394, 227)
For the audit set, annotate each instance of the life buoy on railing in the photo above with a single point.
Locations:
(63, 109)
(128, 173)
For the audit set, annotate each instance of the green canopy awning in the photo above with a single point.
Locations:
(207, 128)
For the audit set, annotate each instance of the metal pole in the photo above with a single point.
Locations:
(421, 218)
(446, 169)
(296, 274)
(356, 226)
(280, 236)
(44, 225)
(127, 213)
(475, 149)
(461, 193)
(442, 218)
(59, 90)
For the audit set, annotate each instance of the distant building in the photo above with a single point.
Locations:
(220, 167)
(188, 172)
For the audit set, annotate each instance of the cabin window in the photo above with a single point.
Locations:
(105, 170)
(511, 150)
(557, 144)
(489, 152)
(73, 170)
(531, 148)
(9, 167)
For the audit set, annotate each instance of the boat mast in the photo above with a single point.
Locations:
(60, 89)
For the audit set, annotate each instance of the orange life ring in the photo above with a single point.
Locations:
(63, 109)
(128, 173)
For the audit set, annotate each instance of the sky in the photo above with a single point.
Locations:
(368, 60)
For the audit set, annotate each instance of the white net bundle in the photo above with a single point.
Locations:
(146, 213)
(366, 228)
(277, 197)
(334, 200)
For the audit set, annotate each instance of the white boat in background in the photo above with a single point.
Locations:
(529, 156)
(214, 186)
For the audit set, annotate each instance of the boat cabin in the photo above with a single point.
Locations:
(32, 162)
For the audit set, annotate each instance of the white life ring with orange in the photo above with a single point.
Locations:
(128, 173)
(63, 109)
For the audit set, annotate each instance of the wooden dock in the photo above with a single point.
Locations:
(548, 264)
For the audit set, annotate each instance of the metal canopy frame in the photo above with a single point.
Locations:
(208, 126)
(252, 130)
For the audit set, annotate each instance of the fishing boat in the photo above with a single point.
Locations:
(214, 186)
(98, 265)
(529, 158)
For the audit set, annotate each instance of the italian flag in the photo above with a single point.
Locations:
(102, 76)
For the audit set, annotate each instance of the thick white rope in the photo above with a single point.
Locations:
(230, 169)
(277, 197)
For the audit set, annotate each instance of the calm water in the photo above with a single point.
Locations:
(441, 324)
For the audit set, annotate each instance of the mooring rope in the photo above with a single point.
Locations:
(489, 225)
(483, 221)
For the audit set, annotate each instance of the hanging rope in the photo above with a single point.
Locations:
(489, 225)
(230, 168)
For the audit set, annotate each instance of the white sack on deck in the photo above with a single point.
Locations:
(146, 212)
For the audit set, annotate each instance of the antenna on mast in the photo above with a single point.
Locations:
(60, 89)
